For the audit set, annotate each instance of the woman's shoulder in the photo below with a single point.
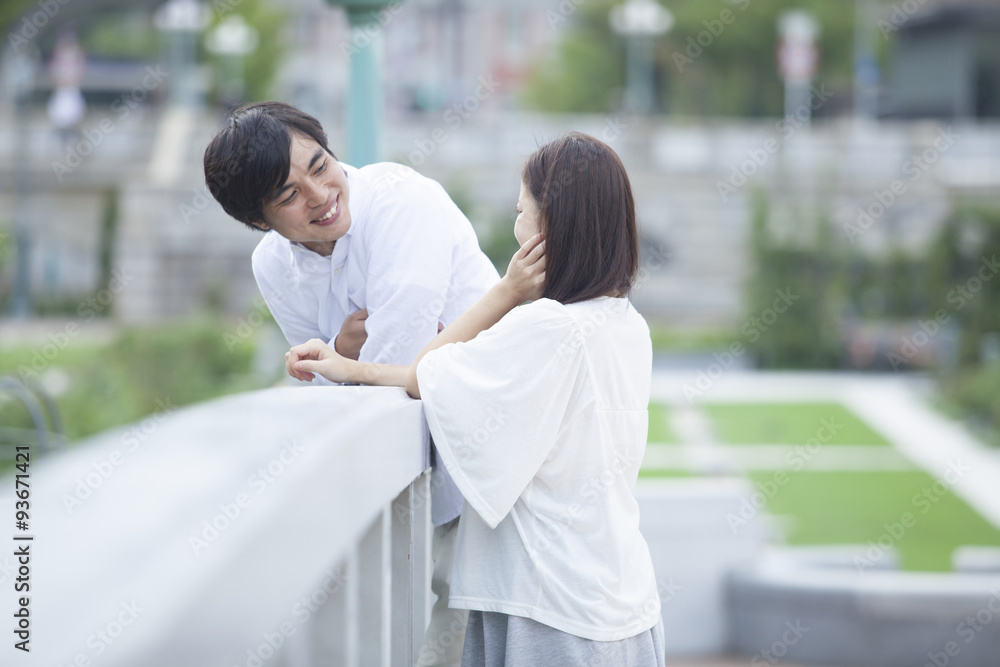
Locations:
(606, 306)
(574, 314)
(547, 310)
(534, 322)
(550, 317)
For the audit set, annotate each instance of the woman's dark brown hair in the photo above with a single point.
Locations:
(586, 210)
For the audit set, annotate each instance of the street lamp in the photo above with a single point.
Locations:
(866, 70)
(797, 58)
(639, 22)
(233, 39)
(181, 20)
(24, 71)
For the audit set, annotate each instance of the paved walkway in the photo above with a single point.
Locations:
(723, 661)
(896, 406)
(719, 457)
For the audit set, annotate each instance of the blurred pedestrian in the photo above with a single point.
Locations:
(67, 107)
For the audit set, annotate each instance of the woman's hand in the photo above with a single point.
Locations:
(315, 356)
(525, 277)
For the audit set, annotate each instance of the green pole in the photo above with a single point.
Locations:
(364, 98)
(364, 94)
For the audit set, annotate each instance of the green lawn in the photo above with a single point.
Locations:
(664, 473)
(789, 423)
(659, 425)
(841, 507)
(671, 339)
(853, 507)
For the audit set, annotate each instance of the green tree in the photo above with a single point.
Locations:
(259, 67)
(585, 72)
(962, 270)
(11, 13)
(963, 267)
(123, 30)
(126, 34)
(710, 63)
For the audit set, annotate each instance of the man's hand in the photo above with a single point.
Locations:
(315, 356)
(525, 277)
(352, 335)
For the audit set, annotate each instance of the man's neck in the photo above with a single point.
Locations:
(324, 248)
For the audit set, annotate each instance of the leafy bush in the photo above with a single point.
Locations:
(805, 335)
(6, 254)
(962, 271)
(975, 392)
(142, 371)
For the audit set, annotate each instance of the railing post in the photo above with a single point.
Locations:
(388, 584)
(370, 586)
(379, 620)
(401, 598)
(351, 618)
(421, 568)
(411, 569)
(330, 634)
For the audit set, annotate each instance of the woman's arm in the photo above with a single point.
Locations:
(524, 280)
(315, 356)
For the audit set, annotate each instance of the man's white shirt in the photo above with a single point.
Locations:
(410, 257)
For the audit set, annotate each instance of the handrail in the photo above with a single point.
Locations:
(287, 526)
(43, 410)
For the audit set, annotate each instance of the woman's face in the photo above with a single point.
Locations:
(527, 223)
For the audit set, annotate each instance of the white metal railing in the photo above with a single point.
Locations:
(285, 527)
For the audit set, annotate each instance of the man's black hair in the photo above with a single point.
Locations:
(251, 156)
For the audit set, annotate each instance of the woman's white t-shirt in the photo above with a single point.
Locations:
(542, 422)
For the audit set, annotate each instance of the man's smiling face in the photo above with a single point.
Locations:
(312, 205)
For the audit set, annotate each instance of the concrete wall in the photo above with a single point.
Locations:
(801, 612)
(694, 549)
(693, 183)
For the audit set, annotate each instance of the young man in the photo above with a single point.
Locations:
(374, 260)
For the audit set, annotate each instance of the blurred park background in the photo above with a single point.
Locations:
(817, 185)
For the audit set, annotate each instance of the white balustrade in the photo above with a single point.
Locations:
(285, 527)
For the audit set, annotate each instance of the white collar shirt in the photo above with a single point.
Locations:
(410, 257)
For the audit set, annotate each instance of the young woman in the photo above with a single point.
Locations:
(539, 413)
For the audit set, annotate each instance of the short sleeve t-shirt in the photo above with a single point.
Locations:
(542, 422)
